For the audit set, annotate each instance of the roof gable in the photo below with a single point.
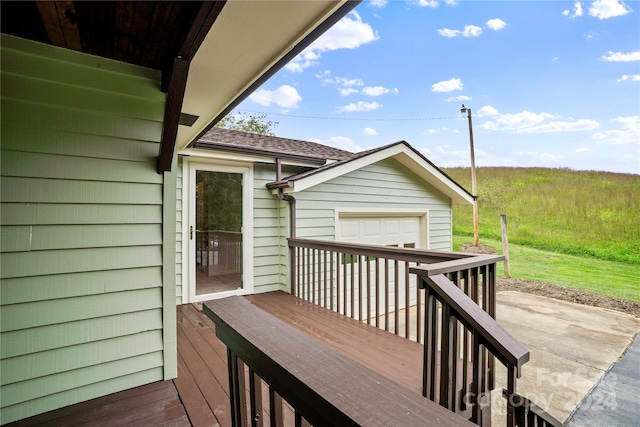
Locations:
(401, 151)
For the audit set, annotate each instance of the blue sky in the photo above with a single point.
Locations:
(549, 83)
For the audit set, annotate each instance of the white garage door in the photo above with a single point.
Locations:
(386, 231)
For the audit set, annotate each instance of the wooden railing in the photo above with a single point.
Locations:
(372, 283)
(445, 300)
(218, 250)
(307, 383)
(528, 414)
(459, 336)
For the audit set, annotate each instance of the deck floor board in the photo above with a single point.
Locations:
(200, 394)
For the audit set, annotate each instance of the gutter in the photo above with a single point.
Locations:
(287, 198)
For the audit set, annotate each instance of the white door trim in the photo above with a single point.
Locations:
(189, 212)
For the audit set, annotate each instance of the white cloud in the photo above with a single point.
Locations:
(378, 3)
(377, 90)
(437, 130)
(590, 35)
(629, 132)
(451, 2)
(605, 9)
(577, 10)
(583, 150)
(528, 122)
(347, 91)
(349, 33)
(632, 77)
(621, 57)
(496, 24)
(447, 85)
(555, 58)
(487, 110)
(562, 126)
(428, 3)
(370, 132)
(469, 31)
(285, 96)
(358, 106)
(341, 142)
(458, 98)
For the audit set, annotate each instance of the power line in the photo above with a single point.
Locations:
(361, 119)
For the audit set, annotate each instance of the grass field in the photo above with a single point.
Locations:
(609, 278)
(584, 213)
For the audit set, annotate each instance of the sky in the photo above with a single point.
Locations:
(549, 83)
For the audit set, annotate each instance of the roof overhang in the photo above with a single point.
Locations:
(248, 42)
(401, 151)
(212, 54)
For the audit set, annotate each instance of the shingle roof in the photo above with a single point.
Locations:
(272, 146)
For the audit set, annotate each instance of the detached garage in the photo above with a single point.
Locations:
(390, 196)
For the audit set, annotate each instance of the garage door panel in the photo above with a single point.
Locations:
(386, 231)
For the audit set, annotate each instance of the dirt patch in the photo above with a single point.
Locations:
(557, 292)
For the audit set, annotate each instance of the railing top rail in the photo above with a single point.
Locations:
(343, 392)
(497, 339)
(451, 261)
(219, 231)
(456, 264)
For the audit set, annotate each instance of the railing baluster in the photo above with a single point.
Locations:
(369, 302)
(354, 260)
(386, 294)
(255, 393)
(360, 296)
(275, 409)
(234, 389)
(338, 255)
(396, 296)
(377, 292)
(407, 302)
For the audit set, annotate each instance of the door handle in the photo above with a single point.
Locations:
(191, 233)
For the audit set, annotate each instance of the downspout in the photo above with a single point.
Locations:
(287, 198)
(292, 226)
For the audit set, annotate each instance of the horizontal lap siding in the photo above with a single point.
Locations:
(81, 236)
(269, 233)
(387, 185)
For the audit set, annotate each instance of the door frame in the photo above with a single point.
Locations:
(188, 219)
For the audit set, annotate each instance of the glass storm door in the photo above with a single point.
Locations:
(217, 231)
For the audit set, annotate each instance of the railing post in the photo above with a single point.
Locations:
(293, 261)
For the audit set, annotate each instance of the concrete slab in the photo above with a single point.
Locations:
(571, 346)
(615, 401)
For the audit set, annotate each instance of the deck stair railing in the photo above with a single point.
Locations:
(459, 336)
(444, 300)
(279, 376)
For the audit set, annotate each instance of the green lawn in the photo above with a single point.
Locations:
(602, 277)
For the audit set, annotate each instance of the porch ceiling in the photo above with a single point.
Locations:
(212, 55)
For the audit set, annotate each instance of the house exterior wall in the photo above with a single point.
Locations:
(82, 295)
(386, 184)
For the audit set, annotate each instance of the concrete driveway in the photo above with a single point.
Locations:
(571, 346)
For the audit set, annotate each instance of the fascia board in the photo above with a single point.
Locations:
(240, 157)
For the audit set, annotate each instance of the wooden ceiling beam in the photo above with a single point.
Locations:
(206, 16)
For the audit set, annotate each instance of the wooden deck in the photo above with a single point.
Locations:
(200, 394)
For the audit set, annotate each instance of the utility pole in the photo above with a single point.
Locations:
(473, 177)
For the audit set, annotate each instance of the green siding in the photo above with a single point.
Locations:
(84, 292)
(270, 230)
(386, 184)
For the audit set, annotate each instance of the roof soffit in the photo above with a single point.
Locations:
(248, 39)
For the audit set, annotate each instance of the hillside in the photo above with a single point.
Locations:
(584, 213)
